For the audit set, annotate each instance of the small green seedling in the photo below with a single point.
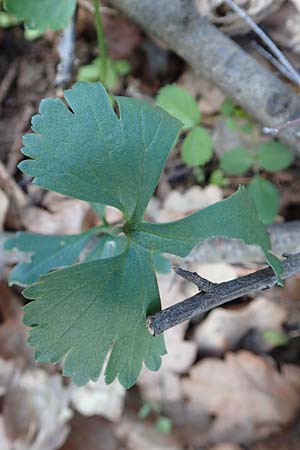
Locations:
(115, 69)
(92, 311)
(197, 146)
(270, 156)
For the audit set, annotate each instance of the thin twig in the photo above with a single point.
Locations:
(271, 59)
(201, 283)
(293, 74)
(223, 293)
(274, 131)
(8, 80)
(66, 51)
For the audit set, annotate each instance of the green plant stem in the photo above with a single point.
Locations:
(101, 41)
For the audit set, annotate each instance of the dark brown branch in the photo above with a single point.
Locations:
(216, 57)
(223, 293)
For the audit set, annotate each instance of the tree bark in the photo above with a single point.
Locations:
(216, 57)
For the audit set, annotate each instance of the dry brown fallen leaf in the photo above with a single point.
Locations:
(225, 447)
(229, 21)
(61, 215)
(91, 433)
(283, 26)
(142, 435)
(177, 204)
(36, 411)
(245, 396)
(99, 399)
(13, 333)
(224, 328)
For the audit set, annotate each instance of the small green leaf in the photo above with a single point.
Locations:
(144, 411)
(7, 20)
(266, 198)
(217, 177)
(227, 108)
(48, 252)
(42, 14)
(235, 218)
(236, 161)
(114, 70)
(276, 338)
(180, 104)
(273, 156)
(197, 147)
(81, 313)
(163, 425)
(91, 154)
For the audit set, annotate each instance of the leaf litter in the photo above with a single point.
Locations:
(189, 389)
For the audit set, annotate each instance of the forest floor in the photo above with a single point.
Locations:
(231, 379)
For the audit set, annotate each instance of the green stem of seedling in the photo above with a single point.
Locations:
(101, 41)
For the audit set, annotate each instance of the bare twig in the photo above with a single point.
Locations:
(272, 60)
(66, 51)
(202, 284)
(284, 126)
(223, 293)
(8, 80)
(292, 73)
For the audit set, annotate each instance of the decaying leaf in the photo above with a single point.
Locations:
(224, 328)
(62, 216)
(91, 433)
(140, 435)
(36, 411)
(245, 395)
(99, 399)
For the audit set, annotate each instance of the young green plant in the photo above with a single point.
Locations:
(196, 146)
(95, 311)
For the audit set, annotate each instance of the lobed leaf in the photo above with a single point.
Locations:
(91, 154)
(83, 312)
(42, 14)
(48, 252)
(235, 218)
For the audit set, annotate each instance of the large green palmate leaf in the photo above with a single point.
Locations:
(91, 154)
(84, 311)
(235, 218)
(49, 252)
(42, 14)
